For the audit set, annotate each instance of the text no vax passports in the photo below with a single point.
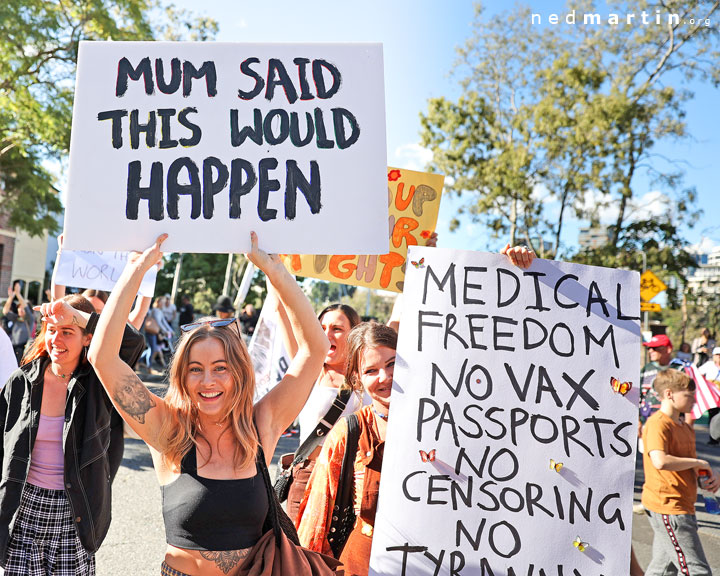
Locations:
(513, 420)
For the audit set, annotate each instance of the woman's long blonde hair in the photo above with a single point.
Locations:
(180, 431)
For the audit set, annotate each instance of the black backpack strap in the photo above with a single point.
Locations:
(323, 427)
(343, 510)
(353, 437)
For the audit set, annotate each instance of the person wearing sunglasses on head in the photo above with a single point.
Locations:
(205, 434)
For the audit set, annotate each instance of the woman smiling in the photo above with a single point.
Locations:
(210, 445)
(62, 444)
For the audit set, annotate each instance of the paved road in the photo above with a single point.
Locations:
(136, 542)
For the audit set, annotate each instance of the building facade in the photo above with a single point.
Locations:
(28, 264)
(705, 279)
(7, 249)
(590, 238)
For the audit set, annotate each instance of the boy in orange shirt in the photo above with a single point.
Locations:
(670, 488)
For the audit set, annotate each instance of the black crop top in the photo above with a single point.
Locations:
(208, 514)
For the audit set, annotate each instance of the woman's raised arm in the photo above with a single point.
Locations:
(139, 407)
(277, 410)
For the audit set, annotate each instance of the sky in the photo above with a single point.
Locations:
(419, 40)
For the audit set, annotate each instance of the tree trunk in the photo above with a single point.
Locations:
(626, 194)
(176, 278)
(558, 230)
(684, 317)
(513, 221)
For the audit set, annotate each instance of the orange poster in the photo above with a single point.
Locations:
(413, 205)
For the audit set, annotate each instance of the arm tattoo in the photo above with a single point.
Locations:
(132, 396)
(226, 560)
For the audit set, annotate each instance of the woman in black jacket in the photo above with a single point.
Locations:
(62, 444)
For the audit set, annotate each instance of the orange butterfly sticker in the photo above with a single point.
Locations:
(557, 466)
(427, 456)
(419, 264)
(620, 387)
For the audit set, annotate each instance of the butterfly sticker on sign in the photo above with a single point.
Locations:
(413, 205)
(620, 387)
(579, 544)
(428, 456)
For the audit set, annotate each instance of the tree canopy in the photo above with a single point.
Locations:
(550, 115)
(38, 54)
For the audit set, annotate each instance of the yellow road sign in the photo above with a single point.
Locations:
(650, 286)
(650, 307)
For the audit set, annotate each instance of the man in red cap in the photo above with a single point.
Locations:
(660, 349)
(660, 354)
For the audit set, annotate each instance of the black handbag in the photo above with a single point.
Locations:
(285, 478)
(343, 518)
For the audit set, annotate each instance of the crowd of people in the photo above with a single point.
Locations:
(62, 415)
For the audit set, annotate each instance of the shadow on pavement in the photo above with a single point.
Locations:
(137, 455)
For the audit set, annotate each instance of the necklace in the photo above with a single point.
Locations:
(379, 415)
(63, 376)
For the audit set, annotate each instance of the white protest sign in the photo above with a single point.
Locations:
(512, 452)
(267, 352)
(208, 141)
(99, 270)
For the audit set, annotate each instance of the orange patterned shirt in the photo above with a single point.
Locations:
(315, 515)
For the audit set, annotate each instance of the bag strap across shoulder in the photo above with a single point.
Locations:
(323, 426)
(343, 510)
(348, 466)
(276, 519)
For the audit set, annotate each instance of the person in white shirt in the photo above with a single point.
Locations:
(711, 368)
(169, 311)
(8, 362)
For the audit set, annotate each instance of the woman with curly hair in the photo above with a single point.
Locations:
(330, 393)
(371, 363)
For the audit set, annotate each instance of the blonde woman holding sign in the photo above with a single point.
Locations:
(210, 445)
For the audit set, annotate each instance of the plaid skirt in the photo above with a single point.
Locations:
(166, 570)
(44, 540)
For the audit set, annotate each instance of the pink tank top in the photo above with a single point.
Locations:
(47, 463)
